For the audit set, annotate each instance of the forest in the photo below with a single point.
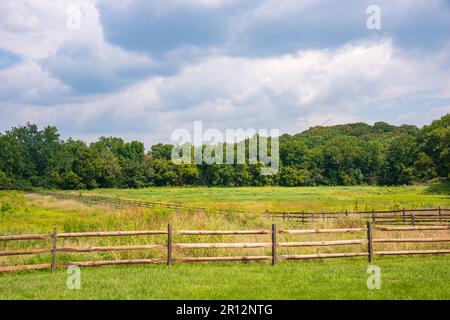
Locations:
(351, 154)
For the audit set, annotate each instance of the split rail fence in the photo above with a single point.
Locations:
(101, 200)
(367, 240)
(411, 217)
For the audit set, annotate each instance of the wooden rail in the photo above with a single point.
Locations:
(322, 243)
(223, 245)
(114, 262)
(323, 255)
(110, 234)
(112, 248)
(310, 231)
(392, 217)
(225, 232)
(25, 237)
(232, 258)
(366, 242)
(116, 202)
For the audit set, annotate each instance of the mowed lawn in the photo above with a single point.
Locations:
(259, 199)
(401, 278)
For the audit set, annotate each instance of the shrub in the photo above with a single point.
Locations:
(6, 206)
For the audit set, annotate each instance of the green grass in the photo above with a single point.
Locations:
(259, 199)
(401, 278)
(425, 277)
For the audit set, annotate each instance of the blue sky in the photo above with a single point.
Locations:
(140, 69)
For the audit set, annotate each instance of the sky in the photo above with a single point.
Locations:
(140, 69)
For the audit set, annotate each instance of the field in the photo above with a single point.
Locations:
(402, 278)
(257, 199)
(421, 277)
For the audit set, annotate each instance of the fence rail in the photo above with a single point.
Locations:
(391, 217)
(102, 200)
(367, 240)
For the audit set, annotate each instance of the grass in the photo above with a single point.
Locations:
(259, 199)
(401, 278)
(38, 214)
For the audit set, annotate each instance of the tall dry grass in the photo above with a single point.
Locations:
(38, 214)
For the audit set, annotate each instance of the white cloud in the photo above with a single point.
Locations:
(88, 87)
(290, 92)
(80, 58)
(28, 83)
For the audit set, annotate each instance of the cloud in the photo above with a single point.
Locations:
(270, 27)
(33, 29)
(93, 67)
(140, 69)
(89, 64)
(290, 92)
(160, 26)
(27, 83)
(79, 58)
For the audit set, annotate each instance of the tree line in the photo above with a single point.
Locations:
(352, 154)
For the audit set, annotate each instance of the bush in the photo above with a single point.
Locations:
(71, 181)
(5, 182)
(6, 207)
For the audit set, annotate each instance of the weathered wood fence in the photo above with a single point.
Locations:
(411, 217)
(367, 241)
(110, 201)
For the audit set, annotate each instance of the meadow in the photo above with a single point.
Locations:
(314, 199)
(422, 277)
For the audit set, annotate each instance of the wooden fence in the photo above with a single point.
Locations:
(367, 240)
(411, 217)
(116, 202)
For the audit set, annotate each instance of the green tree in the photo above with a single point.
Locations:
(400, 157)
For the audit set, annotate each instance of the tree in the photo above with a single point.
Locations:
(5, 182)
(400, 157)
(161, 151)
(348, 154)
(293, 177)
(434, 141)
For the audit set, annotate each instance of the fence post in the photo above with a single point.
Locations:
(373, 215)
(440, 219)
(413, 219)
(303, 217)
(370, 241)
(274, 244)
(54, 249)
(403, 215)
(169, 244)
